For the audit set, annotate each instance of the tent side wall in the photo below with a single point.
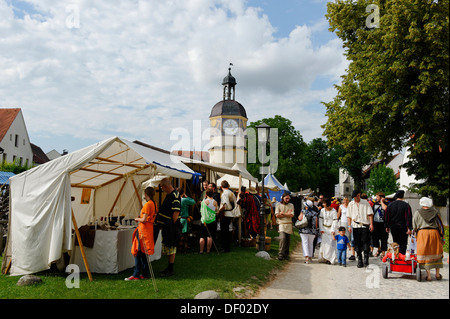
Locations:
(41, 221)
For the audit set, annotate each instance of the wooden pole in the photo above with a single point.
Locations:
(117, 198)
(81, 247)
(137, 193)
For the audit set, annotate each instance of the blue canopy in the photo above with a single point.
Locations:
(276, 189)
(4, 178)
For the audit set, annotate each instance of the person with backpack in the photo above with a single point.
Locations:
(208, 210)
(379, 234)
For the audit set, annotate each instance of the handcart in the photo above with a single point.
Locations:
(407, 267)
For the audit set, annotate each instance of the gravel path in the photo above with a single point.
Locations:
(321, 281)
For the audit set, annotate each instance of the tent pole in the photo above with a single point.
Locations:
(137, 193)
(81, 247)
(117, 198)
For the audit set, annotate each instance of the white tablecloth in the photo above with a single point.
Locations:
(111, 253)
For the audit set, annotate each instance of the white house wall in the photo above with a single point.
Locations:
(23, 147)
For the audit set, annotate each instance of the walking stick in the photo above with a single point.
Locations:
(211, 239)
(149, 265)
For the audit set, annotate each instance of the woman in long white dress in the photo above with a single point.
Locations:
(328, 224)
(342, 217)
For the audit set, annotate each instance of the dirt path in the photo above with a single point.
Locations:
(321, 281)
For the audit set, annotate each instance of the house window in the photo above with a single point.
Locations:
(16, 141)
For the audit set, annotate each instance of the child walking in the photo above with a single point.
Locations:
(342, 244)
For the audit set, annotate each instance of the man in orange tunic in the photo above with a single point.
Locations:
(143, 243)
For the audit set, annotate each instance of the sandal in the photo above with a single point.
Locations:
(439, 277)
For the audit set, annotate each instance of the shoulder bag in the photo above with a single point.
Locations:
(300, 224)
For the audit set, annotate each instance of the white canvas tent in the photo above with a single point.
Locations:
(243, 178)
(104, 178)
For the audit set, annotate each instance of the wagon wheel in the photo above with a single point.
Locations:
(388, 265)
(384, 271)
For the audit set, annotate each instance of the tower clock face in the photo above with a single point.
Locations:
(230, 127)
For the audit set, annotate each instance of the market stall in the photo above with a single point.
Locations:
(110, 253)
(48, 202)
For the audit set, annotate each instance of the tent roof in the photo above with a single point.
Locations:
(272, 183)
(214, 167)
(244, 173)
(124, 158)
(233, 179)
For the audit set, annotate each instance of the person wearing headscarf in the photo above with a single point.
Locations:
(309, 233)
(427, 224)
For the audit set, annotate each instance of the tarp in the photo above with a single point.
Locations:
(104, 178)
(276, 189)
(4, 178)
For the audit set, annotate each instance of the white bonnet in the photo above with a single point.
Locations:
(426, 202)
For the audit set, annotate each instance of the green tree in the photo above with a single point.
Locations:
(382, 179)
(323, 166)
(15, 167)
(292, 168)
(395, 91)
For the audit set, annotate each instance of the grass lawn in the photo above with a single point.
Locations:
(224, 273)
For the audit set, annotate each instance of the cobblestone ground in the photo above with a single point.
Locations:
(321, 281)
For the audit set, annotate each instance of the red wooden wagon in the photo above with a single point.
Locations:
(408, 267)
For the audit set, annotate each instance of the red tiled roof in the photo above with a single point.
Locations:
(7, 117)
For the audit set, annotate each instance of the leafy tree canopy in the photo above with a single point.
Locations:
(395, 92)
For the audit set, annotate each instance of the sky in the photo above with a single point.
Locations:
(86, 70)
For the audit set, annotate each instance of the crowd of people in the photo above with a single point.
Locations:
(171, 221)
(334, 226)
(363, 225)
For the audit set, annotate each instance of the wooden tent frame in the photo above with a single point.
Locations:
(124, 176)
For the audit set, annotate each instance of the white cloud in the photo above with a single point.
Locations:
(140, 68)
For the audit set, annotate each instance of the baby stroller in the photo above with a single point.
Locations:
(403, 264)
